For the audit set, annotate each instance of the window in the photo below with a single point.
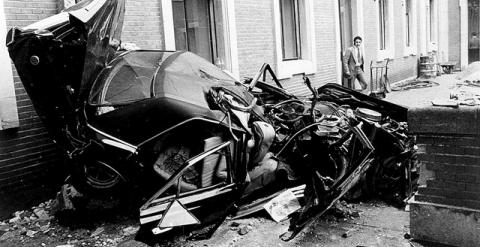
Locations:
(383, 23)
(432, 25)
(294, 37)
(290, 29)
(193, 27)
(408, 22)
(385, 29)
(432, 21)
(204, 27)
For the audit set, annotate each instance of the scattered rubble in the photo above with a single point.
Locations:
(38, 226)
(414, 84)
(122, 231)
(471, 73)
(244, 229)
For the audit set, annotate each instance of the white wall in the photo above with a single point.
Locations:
(8, 103)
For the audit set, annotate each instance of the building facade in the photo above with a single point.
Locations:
(295, 37)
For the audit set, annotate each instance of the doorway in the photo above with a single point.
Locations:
(345, 13)
(473, 31)
(199, 27)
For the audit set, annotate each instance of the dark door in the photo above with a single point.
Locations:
(200, 28)
(473, 31)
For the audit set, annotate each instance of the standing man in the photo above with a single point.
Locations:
(353, 64)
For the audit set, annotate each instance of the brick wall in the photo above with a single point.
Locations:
(256, 42)
(28, 156)
(325, 37)
(446, 209)
(255, 35)
(402, 67)
(449, 141)
(142, 24)
(28, 149)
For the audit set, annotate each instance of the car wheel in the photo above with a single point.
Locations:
(96, 178)
(99, 176)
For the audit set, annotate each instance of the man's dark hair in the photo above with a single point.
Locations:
(355, 39)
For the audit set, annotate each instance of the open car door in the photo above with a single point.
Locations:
(174, 206)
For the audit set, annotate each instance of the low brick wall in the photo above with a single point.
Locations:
(446, 209)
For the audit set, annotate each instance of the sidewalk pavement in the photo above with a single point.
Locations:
(423, 96)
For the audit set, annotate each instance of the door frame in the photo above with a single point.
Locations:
(230, 32)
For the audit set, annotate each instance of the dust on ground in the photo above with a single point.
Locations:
(372, 223)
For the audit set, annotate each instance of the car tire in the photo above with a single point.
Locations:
(96, 178)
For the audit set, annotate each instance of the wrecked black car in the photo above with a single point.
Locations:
(196, 142)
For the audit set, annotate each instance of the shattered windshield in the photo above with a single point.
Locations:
(186, 72)
(79, 5)
(128, 79)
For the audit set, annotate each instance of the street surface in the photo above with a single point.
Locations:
(371, 223)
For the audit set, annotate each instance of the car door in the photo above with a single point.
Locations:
(174, 206)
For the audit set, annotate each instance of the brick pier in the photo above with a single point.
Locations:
(447, 208)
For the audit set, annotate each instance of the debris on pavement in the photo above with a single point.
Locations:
(471, 73)
(445, 102)
(97, 232)
(347, 234)
(131, 230)
(39, 226)
(414, 84)
(244, 229)
(283, 205)
(463, 93)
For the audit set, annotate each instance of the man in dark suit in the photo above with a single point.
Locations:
(353, 64)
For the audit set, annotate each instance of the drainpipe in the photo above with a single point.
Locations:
(463, 33)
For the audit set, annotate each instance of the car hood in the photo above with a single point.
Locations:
(95, 25)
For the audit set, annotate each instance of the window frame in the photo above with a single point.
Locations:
(307, 63)
(432, 25)
(388, 51)
(229, 32)
(297, 32)
(410, 28)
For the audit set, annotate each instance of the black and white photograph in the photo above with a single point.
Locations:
(336, 123)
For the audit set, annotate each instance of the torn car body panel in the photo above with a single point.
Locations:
(172, 127)
(54, 56)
